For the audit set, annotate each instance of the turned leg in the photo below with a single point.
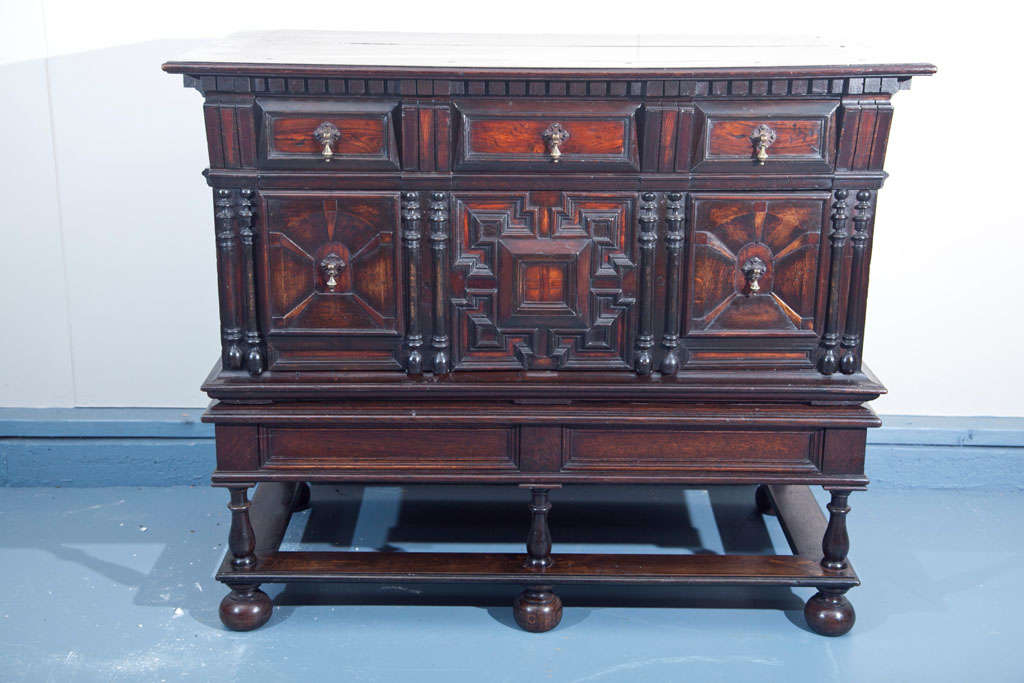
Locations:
(246, 607)
(538, 609)
(241, 540)
(828, 612)
(836, 543)
(763, 500)
(538, 543)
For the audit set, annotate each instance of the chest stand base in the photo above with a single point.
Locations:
(819, 548)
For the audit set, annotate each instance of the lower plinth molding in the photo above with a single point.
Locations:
(538, 608)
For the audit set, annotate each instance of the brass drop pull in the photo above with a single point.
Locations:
(326, 134)
(331, 266)
(554, 136)
(763, 138)
(753, 270)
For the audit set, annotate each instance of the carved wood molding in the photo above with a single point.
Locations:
(545, 87)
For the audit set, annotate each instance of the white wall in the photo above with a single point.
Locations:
(107, 282)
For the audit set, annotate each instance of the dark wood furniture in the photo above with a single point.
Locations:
(541, 277)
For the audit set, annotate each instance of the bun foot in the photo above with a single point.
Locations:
(763, 499)
(537, 609)
(301, 499)
(245, 608)
(829, 613)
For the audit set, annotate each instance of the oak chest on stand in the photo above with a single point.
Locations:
(456, 272)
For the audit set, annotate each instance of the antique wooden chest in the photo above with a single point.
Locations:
(609, 267)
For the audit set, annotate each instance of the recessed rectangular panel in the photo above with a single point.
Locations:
(601, 449)
(391, 449)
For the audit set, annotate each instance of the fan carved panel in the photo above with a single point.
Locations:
(756, 266)
(332, 264)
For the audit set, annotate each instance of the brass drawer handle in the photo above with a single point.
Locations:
(331, 267)
(554, 136)
(753, 270)
(763, 138)
(326, 134)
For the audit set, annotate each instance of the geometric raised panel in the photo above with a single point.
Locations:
(543, 280)
(756, 267)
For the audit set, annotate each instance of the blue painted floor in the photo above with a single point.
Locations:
(111, 584)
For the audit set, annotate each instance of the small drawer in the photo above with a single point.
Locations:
(547, 136)
(328, 135)
(766, 136)
(390, 449)
(607, 450)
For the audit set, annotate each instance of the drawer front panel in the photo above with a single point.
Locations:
(547, 136)
(388, 449)
(790, 136)
(757, 265)
(331, 288)
(328, 135)
(543, 280)
(731, 138)
(600, 449)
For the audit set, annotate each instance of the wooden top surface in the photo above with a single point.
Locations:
(340, 51)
